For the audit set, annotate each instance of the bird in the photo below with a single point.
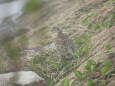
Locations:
(64, 45)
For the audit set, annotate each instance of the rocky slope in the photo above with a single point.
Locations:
(91, 25)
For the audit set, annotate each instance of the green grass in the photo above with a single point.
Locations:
(95, 27)
(108, 47)
(85, 21)
(59, 25)
(12, 51)
(90, 83)
(106, 24)
(22, 41)
(31, 5)
(38, 60)
(55, 64)
(112, 15)
(106, 67)
(91, 65)
(78, 74)
(84, 49)
(65, 82)
(82, 40)
(82, 46)
(21, 31)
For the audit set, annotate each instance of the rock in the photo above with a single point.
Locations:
(24, 78)
(4, 82)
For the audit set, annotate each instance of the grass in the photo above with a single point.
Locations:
(49, 63)
(37, 60)
(103, 70)
(31, 6)
(108, 47)
(90, 66)
(112, 19)
(84, 50)
(38, 64)
(88, 8)
(106, 67)
(81, 45)
(21, 31)
(55, 65)
(78, 74)
(42, 36)
(82, 40)
(106, 24)
(65, 82)
(90, 83)
(12, 51)
(95, 27)
(59, 25)
(85, 21)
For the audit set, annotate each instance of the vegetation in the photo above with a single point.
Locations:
(84, 27)
(65, 82)
(32, 5)
(95, 27)
(108, 47)
(91, 65)
(91, 70)
(106, 24)
(82, 46)
(90, 83)
(78, 74)
(85, 21)
(106, 67)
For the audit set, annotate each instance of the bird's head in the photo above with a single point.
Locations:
(56, 29)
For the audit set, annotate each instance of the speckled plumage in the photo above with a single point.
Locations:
(64, 44)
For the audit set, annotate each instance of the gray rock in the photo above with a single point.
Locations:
(4, 82)
(24, 78)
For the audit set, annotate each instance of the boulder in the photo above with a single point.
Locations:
(24, 78)
(4, 82)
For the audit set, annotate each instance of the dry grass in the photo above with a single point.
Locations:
(70, 21)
